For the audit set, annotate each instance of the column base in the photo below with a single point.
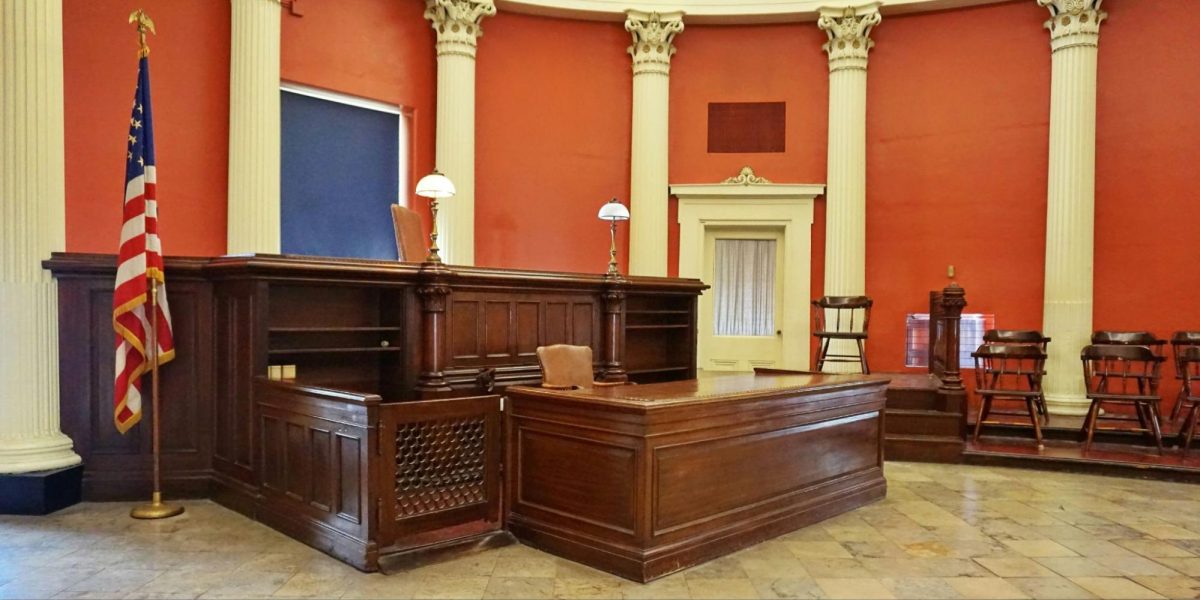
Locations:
(44, 453)
(1074, 406)
(41, 493)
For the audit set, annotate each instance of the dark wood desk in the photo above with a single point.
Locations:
(646, 480)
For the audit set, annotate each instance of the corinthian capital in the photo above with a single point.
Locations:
(457, 23)
(653, 34)
(849, 31)
(1073, 22)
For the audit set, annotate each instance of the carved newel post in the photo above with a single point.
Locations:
(457, 23)
(1070, 199)
(652, 48)
(434, 293)
(953, 300)
(614, 330)
(849, 31)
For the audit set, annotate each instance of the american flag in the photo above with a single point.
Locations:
(139, 260)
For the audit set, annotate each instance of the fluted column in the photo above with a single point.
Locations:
(32, 225)
(652, 48)
(253, 212)
(458, 27)
(849, 31)
(1070, 202)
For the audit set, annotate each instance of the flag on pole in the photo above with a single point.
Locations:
(139, 259)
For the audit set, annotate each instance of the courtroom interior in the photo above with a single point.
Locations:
(599, 299)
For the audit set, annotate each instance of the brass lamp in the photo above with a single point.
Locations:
(434, 186)
(613, 211)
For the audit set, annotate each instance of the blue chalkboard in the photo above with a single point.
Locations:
(340, 170)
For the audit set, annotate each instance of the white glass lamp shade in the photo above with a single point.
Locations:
(435, 185)
(614, 211)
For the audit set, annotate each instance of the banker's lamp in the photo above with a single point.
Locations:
(434, 186)
(613, 211)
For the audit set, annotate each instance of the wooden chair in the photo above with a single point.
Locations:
(1012, 373)
(1016, 337)
(1122, 375)
(1131, 338)
(1180, 342)
(1188, 362)
(1021, 337)
(410, 242)
(842, 313)
(566, 367)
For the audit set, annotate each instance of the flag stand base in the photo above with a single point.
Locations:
(156, 509)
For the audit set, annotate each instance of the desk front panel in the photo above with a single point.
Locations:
(646, 493)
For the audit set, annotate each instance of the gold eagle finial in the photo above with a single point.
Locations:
(144, 24)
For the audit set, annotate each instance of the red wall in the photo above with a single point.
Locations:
(189, 64)
(767, 63)
(377, 49)
(551, 142)
(1147, 275)
(957, 125)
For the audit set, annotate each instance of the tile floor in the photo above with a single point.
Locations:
(944, 531)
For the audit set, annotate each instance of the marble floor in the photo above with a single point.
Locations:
(944, 531)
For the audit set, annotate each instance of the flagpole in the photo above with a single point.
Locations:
(156, 509)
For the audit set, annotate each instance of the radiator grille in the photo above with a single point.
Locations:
(440, 465)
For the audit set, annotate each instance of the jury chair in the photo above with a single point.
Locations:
(410, 242)
(1131, 338)
(566, 367)
(1016, 337)
(1188, 363)
(1010, 373)
(836, 318)
(1021, 337)
(1180, 342)
(1124, 376)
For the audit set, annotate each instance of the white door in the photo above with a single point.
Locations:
(740, 317)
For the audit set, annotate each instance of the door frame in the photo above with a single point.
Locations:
(752, 205)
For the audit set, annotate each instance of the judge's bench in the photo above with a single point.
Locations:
(388, 438)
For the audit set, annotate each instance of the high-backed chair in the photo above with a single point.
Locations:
(1180, 342)
(410, 242)
(1188, 363)
(1122, 375)
(1021, 337)
(1010, 373)
(1016, 337)
(566, 367)
(836, 318)
(1131, 338)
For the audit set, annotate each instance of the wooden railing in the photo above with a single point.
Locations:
(945, 318)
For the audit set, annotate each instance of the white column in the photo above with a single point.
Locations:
(1067, 304)
(253, 210)
(652, 49)
(457, 23)
(849, 30)
(32, 225)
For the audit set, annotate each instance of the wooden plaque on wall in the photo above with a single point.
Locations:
(746, 126)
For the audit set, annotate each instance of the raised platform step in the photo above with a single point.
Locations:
(1067, 429)
(1121, 460)
(913, 392)
(924, 422)
(923, 448)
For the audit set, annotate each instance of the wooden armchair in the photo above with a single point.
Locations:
(566, 367)
(1122, 375)
(1015, 337)
(1188, 363)
(1011, 373)
(1131, 338)
(410, 243)
(837, 318)
(1181, 341)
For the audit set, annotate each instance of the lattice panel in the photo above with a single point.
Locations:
(440, 465)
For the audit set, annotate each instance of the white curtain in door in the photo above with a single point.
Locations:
(744, 287)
